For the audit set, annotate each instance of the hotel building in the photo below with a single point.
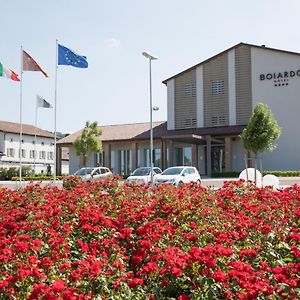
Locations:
(208, 105)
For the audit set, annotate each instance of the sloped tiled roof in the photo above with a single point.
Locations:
(11, 127)
(136, 131)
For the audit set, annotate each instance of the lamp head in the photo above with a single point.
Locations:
(149, 56)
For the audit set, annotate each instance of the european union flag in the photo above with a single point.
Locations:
(68, 57)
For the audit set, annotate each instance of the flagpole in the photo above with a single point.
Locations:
(21, 122)
(55, 105)
(35, 124)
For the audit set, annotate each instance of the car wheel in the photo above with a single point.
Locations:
(180, 183)
(198, 182)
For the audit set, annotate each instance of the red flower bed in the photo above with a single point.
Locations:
(115, 241)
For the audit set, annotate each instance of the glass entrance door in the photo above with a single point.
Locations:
(217, 159)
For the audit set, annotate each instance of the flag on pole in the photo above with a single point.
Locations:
(29, 64)
(41, 102)
(68, 57)
(4, 72)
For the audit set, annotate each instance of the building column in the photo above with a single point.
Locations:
(195, 155)
(208, 155)
(228, 154)
(171, 153)
(163, 154)
(58, 160)
(134, 156)
(106, 148)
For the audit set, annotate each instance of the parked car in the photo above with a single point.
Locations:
(178, 176)
(90, 174)
(143, 175)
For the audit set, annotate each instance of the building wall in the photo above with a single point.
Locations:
(12, 141)
(282, 96)
(200, 96)
(185, 100)
(243, 84)
(171, 104)
(216, 106)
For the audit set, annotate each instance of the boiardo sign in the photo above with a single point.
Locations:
(279, 75)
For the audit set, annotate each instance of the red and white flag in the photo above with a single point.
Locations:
(29, 64)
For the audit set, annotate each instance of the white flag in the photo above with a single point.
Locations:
(41, 102)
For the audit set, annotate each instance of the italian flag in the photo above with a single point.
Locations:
(4, 72)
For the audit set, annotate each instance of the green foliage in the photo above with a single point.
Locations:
(88, 141)
(262, 130)
(10, 173)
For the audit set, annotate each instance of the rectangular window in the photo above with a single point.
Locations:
(10, 152)
(190, 89)
(218, 120)
(32, 154)
(50, 155)
(189, 123)
(23, 153)
(217, 87)
(125, 161)
(42, 155)
(157, 157)
(183, 156)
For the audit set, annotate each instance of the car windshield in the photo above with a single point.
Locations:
(172, 171)
(141, 172)
(84, 171)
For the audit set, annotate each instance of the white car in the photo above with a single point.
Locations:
(142, 175)
(178, 176)
(90, 174)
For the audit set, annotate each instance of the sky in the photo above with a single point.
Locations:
(114, 89)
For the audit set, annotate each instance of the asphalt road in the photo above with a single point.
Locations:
(214, 183)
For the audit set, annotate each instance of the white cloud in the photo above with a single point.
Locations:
(112, 43)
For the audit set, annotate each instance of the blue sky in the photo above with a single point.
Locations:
(113, 34)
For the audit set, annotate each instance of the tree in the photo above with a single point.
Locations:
(262, 131)
(88, 142)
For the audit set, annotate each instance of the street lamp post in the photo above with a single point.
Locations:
(150, 58)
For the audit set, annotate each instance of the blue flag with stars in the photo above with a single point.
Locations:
(68, 57)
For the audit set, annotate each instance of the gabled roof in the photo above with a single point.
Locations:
(11, 127)
(136, 131)
(227, 50)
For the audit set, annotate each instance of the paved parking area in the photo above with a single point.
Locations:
(214, 183)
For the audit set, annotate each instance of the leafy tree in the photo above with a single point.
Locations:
(88, 142)
(261, 132)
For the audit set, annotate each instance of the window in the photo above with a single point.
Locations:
(32, 154)
(125, 161)
(183, 156)
(156, 157)
(23, 153)
(218, 120)
(190, 122)
(50, 155)
(217, 87)
(190, 89)
(42, 155)
(10, 152)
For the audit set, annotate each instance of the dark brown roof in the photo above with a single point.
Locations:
(227, 50)
(26, 129)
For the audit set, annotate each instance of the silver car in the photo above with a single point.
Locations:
(142, 175)
(90, 174)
